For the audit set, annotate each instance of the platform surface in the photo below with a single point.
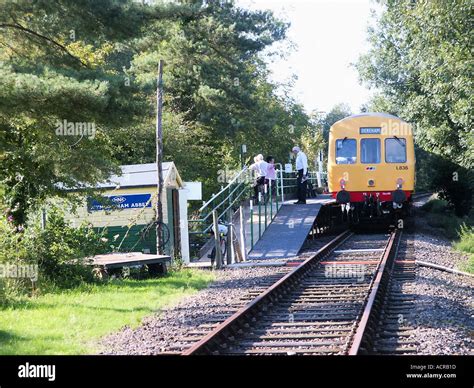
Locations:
(285, 236)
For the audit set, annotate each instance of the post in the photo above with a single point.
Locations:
(217, 240)
(251, 224)
(259, 214)
(243, 248)
(271, 199)
(43, 218)
(159, 159)
(320, 168)
(243, 151)
(266, 200)
(282, 187)
(230, 238)
(276, 196)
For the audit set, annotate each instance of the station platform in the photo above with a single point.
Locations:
(286, 234)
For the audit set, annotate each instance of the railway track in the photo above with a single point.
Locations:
(393, 330)
(327, 305)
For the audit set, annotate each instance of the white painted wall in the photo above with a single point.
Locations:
(183, 216)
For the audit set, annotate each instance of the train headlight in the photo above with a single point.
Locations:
(343, 183)
(399, 183)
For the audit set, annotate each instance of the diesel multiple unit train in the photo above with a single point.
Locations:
(371, 166)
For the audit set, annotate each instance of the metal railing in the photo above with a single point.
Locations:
(234, 194)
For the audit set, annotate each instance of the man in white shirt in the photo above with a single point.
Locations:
(260, 167)
(302, 174)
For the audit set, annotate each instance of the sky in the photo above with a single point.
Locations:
(329, 36)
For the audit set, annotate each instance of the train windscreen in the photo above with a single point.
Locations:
(346, 151)
(395, 150)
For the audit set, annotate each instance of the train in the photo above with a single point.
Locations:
(371, 167)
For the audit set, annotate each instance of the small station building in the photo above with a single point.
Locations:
(124, 210)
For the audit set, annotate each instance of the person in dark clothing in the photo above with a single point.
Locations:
(302, 175)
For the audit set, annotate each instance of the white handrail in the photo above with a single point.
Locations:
(223, 189)
(280, 170)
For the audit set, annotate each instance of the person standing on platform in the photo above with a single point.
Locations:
(302, 174)
(260, 168)
(271, 175)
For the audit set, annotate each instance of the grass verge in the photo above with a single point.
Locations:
(466, 245)
(73, 321)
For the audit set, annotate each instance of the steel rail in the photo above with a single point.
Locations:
(375, 287)
(230, 325)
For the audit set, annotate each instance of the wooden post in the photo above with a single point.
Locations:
(236, 251)
(159, 159)
(217, 240)
(243, 248)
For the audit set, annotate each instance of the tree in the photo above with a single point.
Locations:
(93, 64)
(62, 70)
(338, 112)
(421, 62)
(217, 92)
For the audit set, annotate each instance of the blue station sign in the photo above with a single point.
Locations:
(119, 202)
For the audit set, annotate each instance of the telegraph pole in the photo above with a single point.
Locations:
(159, 158)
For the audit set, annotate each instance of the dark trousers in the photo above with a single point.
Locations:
(301, 187)
(257, 187)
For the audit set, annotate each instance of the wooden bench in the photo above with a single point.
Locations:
(156, 263)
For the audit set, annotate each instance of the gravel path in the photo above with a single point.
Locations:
(444, 322)
(443, 318)
(164, 332)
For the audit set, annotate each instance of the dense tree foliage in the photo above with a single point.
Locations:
(421, 63)
(86, 64)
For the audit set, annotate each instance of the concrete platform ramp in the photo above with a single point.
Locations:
(285, 236)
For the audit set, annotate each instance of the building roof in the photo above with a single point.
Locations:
(134, 175)
(140, 175)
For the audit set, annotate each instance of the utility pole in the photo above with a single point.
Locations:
(159, 159)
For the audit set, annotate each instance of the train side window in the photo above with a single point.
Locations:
(370, 150)
(346, 151)
(395, 150)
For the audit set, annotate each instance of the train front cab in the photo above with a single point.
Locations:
(371, 165)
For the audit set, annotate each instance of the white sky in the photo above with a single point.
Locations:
(329, 35)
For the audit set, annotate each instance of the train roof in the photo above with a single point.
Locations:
(371, 114)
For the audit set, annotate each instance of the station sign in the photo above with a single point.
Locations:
(119, 202)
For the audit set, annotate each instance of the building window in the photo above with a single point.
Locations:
(395, 150)
(346, 151)
(370, 150)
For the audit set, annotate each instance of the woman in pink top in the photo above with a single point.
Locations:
(271, 174)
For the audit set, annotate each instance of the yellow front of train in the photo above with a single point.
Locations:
(371, 160)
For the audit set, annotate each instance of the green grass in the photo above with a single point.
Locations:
(466, 245)
(72, 322)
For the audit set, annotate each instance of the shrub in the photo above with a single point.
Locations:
(466, 244)
(454, 184)
(435, 206)
(58, 250)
